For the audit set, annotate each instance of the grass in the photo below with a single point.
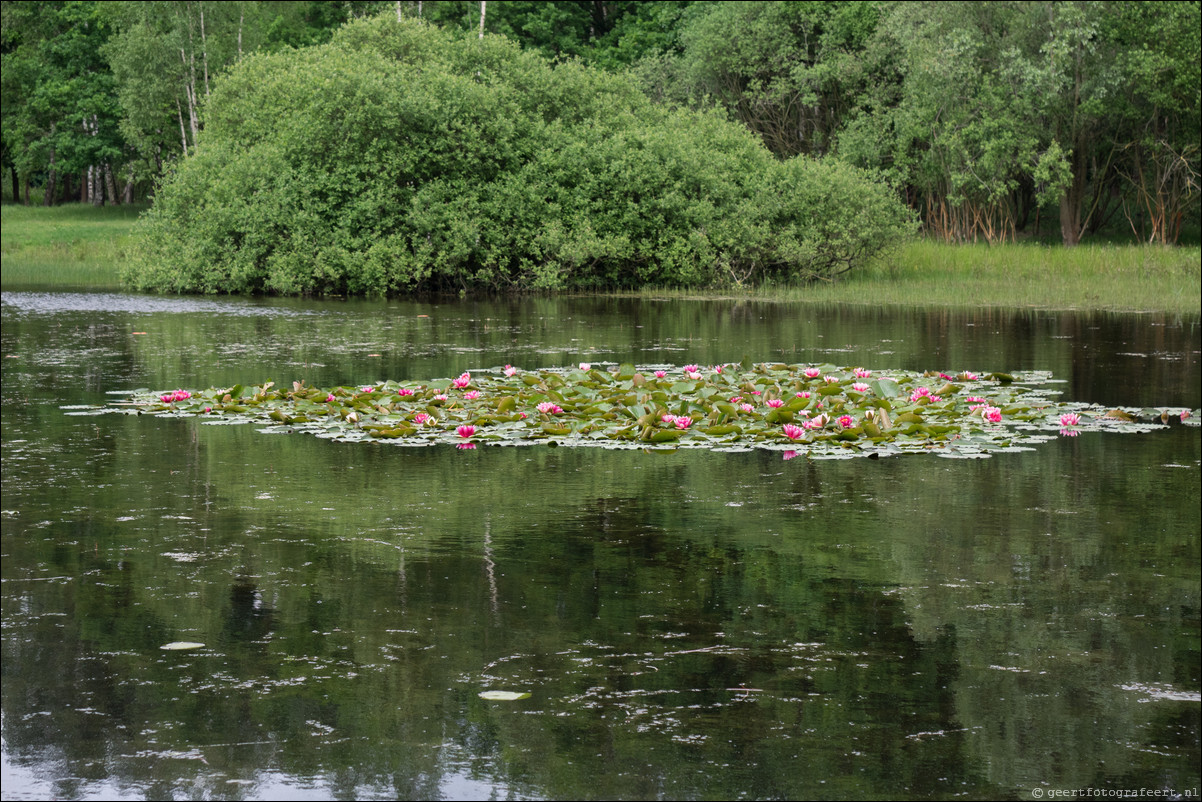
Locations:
(1131, 278)
(73, 245)
(77, 245)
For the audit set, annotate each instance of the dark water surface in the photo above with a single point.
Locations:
(688, 624)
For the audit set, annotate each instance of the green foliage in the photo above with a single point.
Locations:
(400, 157)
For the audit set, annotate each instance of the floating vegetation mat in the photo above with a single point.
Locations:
(814, 410)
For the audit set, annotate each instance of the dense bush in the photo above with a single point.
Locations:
(399, 157)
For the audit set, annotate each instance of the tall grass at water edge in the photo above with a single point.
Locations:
(73, 245)
(1134, 278)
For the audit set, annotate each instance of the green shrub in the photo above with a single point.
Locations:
(399, 157)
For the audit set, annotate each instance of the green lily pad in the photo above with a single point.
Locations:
(503, 696)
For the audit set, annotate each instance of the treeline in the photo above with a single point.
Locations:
(987, 117)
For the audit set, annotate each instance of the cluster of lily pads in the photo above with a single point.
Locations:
(819, 410)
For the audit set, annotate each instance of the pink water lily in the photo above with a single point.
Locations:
(992, 414)
(367, 389)
(509, 370)
(440, 397)
(691, 368)
(860, 373)
(178, 395)
(682, 421)
(975, 399)
(792, 432)
(463, 381)
(548, 408)
(747, 407)
(860, 387)
(1070, 419)
(812, 373)
(831, 379)
(466, 430)
(804, 394)
(659, 374)
(692, 374)
(585, 366)
(847, 421)
(421, 418)
(404, 391)
(330, 398)
(969, 376)
(775, 403)
(471, 395)
(667, 418)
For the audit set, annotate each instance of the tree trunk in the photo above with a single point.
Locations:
(482, 4)
(16, 185)
(51, 177)
(110, 185)
(1073, 199)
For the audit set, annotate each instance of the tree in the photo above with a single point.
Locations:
(401, 157)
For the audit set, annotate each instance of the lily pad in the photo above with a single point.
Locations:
(503, 696)
(806, 409)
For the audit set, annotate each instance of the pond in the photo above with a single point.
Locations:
(686, 624)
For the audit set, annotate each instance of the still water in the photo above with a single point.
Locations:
(687, 624)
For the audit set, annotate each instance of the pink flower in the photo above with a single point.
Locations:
(440, 397)
(366, 389)
(945, 377)
(463, 381)
(860, 373)
(509, 370)
(812, 373)
(585, 366)
(717, 368)
(831, 379)
(847, 421)
(691, 368)
(208, 409)
(804, 394)
(421, 418)
(471, 395)
(692, 374)
(1184, 414)
(178, 395)
(466, 430)
(792, 432)
(330, 398)
(757, 392)
(682, 422)
(975, 399)
(667, 418)
(404, 391)
(548, 408)
(969, 376)
(775, 403)
(747, 407)
(992, 414)
(919, 394)
(659, 374)
(1070, 419)
(860, 387)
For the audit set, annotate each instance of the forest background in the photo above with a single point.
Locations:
(995, 122)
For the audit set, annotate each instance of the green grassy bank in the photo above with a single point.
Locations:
(73, 245)
(81, 246)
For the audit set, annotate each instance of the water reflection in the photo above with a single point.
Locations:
(688, 624)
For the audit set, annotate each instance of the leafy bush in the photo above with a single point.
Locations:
(399, 157)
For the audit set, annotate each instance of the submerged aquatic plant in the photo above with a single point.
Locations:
(820, 411)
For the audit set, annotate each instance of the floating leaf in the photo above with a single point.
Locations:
(181, 646)
(628, 408)
(503, 696)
